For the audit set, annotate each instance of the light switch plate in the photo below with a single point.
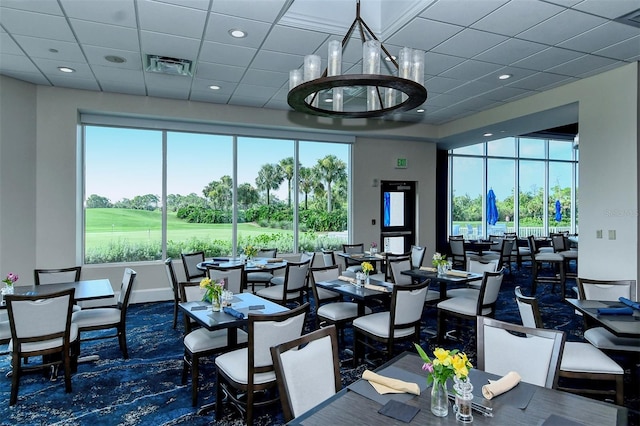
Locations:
(612, 234)
(599, 233)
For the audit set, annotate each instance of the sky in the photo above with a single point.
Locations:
(122, 163)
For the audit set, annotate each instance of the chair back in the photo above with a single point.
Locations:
(505, 251)
(58, 275)
(529, 310)
(190, 291)
(295, 276)
(407, 303)
(190, 262)
(323, 273)
(233, 276)
(533, 247)
(533, 353)
(456, 246)
(391, 257)
(397, 266)
(417, 256)
(328, 257)
(267, 330)
(171, 276)
(126, 286)
(489, 291)
(302, 388)
(308, 255)
(52, 328)
(268, 253)
(559, 242)
(590, 289)
(480, 267)
(352, 249)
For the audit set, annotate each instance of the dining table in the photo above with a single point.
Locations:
(84, 289)
(244, 303)
(376, 290)
(366, 256)
(478, 246)
(254, 265)
(453, 278)
(620, 325)
(525, 404)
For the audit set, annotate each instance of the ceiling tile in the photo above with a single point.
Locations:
(561, 27)
(265, 78)
(95, 34)
(627, 50)
(293, 40)
(516, 16)
(227, 54)
(609, 9)
(471, 70)
(263, 10)
(468, 43)
(275, 61)
(96, 56)
(547, 58)
(600, 37)
(50, 49)
(215, 72)
(176, 20)
(424, 34)
(33, 24)
(219, 26)
(581, 65)
(461, 12)
(115, 12)
(510, 51)
(169, 45)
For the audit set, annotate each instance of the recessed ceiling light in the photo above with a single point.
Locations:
(237, 33)
(115, 59)
(486, 135)
(420, 110)
(66, 69)
(504, 76)
(328, 100)
(214, 87)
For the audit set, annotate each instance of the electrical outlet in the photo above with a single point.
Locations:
(612, 234)
(599, 233)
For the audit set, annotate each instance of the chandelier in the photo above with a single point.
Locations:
(366, 95)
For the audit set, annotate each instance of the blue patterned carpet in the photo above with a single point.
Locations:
(146, 389)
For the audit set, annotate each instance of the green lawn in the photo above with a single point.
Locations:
(108, 225)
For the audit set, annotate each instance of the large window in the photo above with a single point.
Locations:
(153, 193)
(544, 172)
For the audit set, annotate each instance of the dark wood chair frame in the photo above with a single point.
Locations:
(536, 266)
(361, 338)
(188, 324)
(251, 276)
(617, 379)
(243, 279)
(457, 258)
(281, 377)
(320, 320)
(240, 395)
(186, 259)
(69, 355)
(173, 280)
(349, 249)
(299, 292)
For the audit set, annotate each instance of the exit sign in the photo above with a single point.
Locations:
(401, 163)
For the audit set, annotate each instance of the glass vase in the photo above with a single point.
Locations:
(464, 396)
(215, 303)
(442, 269)
(366, 279)
(439, 399)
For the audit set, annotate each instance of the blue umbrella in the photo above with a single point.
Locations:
(558, 211)
(492, 208)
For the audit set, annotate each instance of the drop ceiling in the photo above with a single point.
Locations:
(542, 44)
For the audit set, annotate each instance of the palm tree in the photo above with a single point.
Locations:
(287, 167)
(307, 183)
(331, 169)
(269, 178)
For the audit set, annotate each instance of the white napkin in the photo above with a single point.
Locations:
(383, 384)
(497, 387)
(376, 287)
(429, 269)
(347, 279)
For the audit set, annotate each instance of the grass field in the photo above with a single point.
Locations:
(108, 225)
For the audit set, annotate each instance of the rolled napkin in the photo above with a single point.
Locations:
(457, 273)
(260, 266)
(375, 287)
(616, 311)
(347, 279)
(628, 302)
(428, 269)
(275, 260)
(383, 384)
(498, 387)
(230, 311)
(357, 255)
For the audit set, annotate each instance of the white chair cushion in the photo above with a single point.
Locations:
(277, 281)
(203, 340)
(355, 268)
(350, 274)
(546, 250)
(324, 294)
(569, 254)
(5, 330)
(340, 311)
(524, 251)
(602, 338)
(262, 277)
(473, 293)
(582, 357)
(549, 257)
(235, 365)
(98, 316)
(378, 324)
(462, 305)
(46, 344)
(432, 295)
(276, 292)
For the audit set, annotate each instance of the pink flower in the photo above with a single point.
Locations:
(11, 278)
(427, 366)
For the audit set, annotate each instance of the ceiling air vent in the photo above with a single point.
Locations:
(167, 65)
(632, 18)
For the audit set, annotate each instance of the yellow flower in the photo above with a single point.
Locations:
(442, 356)
(367, 267)
(205, 282)
(445, 364)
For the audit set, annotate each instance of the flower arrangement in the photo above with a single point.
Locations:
(213, 289)
(367, 267)
(439, 260)
(250, 251)
(11, 279)
(445, 364)
(374, 245)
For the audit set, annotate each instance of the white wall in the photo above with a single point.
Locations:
(39, 214)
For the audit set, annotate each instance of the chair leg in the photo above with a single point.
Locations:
(67, 370)
(619, 390)
(185, 367)
(175, 314)
(219, 397)
(250, 395)
(122, 338)
(194, 379)
(442, 322)
(15, 379)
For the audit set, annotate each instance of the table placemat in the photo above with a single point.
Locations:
(364, 388)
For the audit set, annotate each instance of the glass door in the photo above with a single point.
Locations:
(398, 211)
